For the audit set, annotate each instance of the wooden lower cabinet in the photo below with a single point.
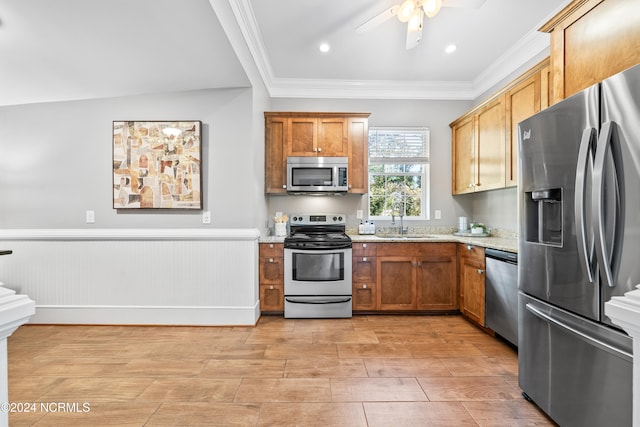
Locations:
(397, 280)
(472, 277)
(364, 288)
(436, 282)
(416, 277)
(271, 277)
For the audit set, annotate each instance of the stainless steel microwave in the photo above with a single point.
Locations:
(317, 174)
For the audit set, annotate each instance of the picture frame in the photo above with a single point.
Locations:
(157, 164)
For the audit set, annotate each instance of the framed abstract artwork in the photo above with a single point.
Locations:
(157, 164)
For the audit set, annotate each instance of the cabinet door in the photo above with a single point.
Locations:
(333, 137)
(523, 101)
(303, 136)
(364, 296)
(358, 155)
(436, 283)
(396, 283)
(581, 55)
(490, 144)
(472, 282)
(463, 156)
(275, 166)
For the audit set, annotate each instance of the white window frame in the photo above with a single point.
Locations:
(398, 158)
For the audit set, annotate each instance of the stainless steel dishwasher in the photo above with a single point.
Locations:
(501, 293)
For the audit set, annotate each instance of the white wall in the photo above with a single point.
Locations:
(56, 160)
(435, 114)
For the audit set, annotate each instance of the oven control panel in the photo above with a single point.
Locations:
(318, 219)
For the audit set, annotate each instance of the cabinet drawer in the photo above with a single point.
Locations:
(364, 296)
(271, 270)
(364, 269)
(471, 251)
(271, 250)
(364, 249)
(271, 297)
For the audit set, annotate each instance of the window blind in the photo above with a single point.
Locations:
(399, 145)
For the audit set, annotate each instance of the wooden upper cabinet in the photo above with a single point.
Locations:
(463, 155)
(303, 139)
(590, 41)
(316, 134)
(358, 144)
(490, 146)
(333, 137)
(484, 141)
(275, 155)
(478, 149)
(522, 101)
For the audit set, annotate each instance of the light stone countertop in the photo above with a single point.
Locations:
(505, 241)
(509, 244)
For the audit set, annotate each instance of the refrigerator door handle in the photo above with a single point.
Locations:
(585, 166)
(550, 318)
(606, 256)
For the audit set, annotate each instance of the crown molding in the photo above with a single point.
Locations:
(526, 49)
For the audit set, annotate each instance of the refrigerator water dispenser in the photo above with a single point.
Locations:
(543, 216)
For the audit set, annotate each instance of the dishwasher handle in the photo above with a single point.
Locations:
(509, 257)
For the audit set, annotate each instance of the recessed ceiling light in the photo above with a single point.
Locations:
(451, 48)
(324, 47)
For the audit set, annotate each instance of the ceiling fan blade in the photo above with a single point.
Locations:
(464, 4)
(414, 29)
(378, 19)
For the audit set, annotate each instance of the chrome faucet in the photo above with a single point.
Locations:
(398, 205)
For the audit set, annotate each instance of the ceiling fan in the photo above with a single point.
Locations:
(412, 12)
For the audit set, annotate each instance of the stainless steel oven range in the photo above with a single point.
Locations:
(317, 267)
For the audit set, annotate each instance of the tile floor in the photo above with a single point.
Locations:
(364, 371)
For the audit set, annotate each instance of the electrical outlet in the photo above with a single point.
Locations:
(359, 214)
(438, 214)
(206, 217)
(90, 217)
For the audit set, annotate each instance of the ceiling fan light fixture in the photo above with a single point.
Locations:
(415, 22)
(432, 7)
(406, 10)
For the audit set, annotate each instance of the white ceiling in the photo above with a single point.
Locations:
(82, 49)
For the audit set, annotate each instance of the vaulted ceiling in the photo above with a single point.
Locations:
(83, 49)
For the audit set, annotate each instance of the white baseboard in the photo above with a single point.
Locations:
(147, 315)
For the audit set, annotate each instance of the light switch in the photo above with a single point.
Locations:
(438, 214)
(90, 217)
(359, 213)
(206, 217)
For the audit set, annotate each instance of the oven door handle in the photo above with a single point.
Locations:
(318, 301)
(311, 246)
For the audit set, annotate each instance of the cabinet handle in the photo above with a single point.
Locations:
(480, 271)
(469, 247)
(364, 259)
(270, 259)
(270, 286)
(319, 149)
(419, 263)
(284, 185)
(364, 286)
(364, 245)
(271, 245)
(415, 264)
(350, 186)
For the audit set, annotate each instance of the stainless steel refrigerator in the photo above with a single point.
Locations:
(579, 205)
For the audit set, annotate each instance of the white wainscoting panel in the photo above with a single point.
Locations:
(178, 277)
